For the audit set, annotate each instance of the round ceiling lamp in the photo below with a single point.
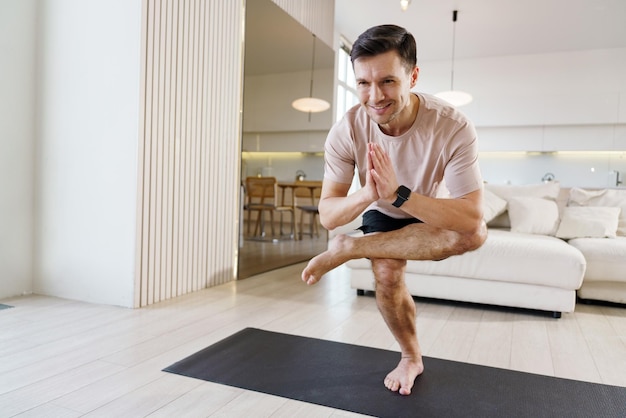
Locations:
(454, 97)
(311, 104)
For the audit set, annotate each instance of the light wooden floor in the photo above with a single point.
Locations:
(61, 358)
(257, 257)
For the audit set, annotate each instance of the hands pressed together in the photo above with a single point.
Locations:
(381, 179)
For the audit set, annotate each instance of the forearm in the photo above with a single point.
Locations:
(462, 215)
(336, 211)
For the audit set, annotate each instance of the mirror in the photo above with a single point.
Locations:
(278, 140)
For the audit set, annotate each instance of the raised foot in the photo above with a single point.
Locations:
(326, 261)
(402, 378)
(314, 270)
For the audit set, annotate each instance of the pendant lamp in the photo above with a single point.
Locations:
(311, 104)
(455, 97)
(404, 4)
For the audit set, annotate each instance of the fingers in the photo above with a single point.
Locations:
(370, 182)
(379, 156)
(381, 163)
(382, 172)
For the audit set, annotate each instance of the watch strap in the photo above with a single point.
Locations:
(403, 193)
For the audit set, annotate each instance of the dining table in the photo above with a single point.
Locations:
(313, 186)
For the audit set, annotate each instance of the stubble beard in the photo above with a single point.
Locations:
(382, 119)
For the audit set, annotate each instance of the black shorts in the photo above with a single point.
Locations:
(375, 221)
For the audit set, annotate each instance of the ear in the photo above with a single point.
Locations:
(414, 76)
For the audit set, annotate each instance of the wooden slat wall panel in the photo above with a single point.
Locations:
(318, 16)
(189, 148)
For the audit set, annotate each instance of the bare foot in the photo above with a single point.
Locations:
(402, 378)
(334, 256)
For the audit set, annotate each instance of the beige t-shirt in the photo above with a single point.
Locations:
(441, 145)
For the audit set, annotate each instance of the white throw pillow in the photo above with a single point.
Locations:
(606, 197)
(507, 191)
(533, 215)
(492, 205)
(588, 222)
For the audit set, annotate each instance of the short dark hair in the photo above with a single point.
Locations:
(384, 38)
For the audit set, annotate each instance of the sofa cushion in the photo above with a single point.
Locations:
(605, 197)
(606, 258)
(493, 205)
(588, 222)
(507, 191)
(533, 215)
(508, 256)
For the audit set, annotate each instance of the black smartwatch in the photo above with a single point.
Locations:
(403, 194)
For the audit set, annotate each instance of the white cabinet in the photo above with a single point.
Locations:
(621, 112)
(547, 110)
(552, 138)
(620, 138)
(578, 109)
(510, 139)
(578, 138)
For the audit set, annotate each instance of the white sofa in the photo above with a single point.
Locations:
(605, 277)
(522, 263)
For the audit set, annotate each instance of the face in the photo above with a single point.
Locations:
(384, 88)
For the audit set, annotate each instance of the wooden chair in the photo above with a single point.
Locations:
(307, 199)
(261, 197)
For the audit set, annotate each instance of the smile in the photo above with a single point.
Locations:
(380, 108)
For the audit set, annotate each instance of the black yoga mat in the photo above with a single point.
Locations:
(349, 377)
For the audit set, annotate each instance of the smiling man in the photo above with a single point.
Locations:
(404, 145)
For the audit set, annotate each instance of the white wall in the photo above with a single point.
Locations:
(17, 136)
(593, 170)
(267, 101)
(87, 149)
(578, 87)
(551, 102)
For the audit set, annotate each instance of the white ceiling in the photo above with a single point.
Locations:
(487, 28)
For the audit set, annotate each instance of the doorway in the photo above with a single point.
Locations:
(277, 69)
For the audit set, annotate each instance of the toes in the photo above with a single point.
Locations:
(392, 385)
(307, 277)
(311, 280)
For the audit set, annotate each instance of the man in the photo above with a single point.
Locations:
(404, 145)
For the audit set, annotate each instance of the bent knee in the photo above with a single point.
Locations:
(472, 240)
(388, 272)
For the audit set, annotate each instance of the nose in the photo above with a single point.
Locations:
(375, 94)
